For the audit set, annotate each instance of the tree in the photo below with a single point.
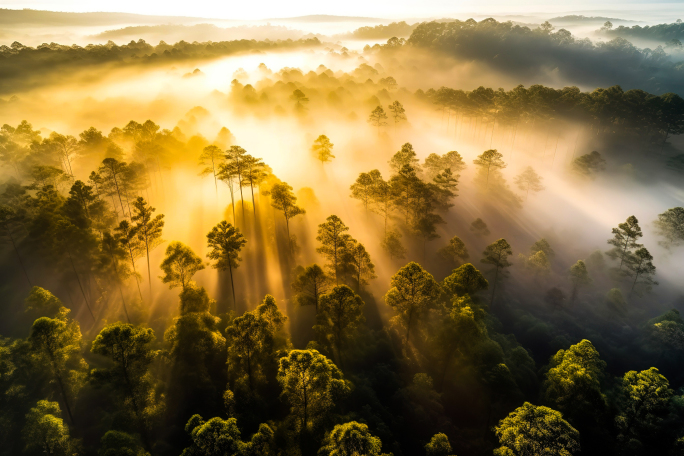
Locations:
(391, 243)
(236, 155)
(113, 263)
(8, 220)
(212, 157)
(310, 383)
(529, 180)
(300, 100)
(111, 172)
(284, 200)
(479, 227)
(129, 347)
(246, 337)
(398, 112)
(322, 149)
(67, 146)
(542, 245)
(148, 230)
(579, 276)
(455, 252)
(179, 265)
(310, 283)
(497, 254)
(446, 186)
(670, 225)
(363, 267)
(625, 240)
(465, 279)
(490, 160)
(533, 430)
(127, 236)
(644, 399)
(45, 431)
(363, 189)
(412, 292)
(588, 165)
(225, 242)
(382, 197)
(56, 342)
(341, 313)
(377, 118)
(350, 439)
(640, 264)
(573, 383)
(438, 446)
(405, 156)
(555, 297)
(255, 174)
(219, 437)
(334, 245)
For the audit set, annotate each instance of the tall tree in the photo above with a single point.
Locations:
(398, 112)
(529, 180)
(640, 264)
(456, 252)
(283, 199)
(377, 118)
(670, 225)
(334, 245)
(236, 156)
(340, 314)
(246, 338)
(112, 172)
(579, 276)
(212, 157)
(8, 221)
(126, 234)
(225, 242)
(322, 149)
(45, 431)
(391, 243)
(350, 439)
(363, 267)
(255, 174)
(464, 280)
(113, 263)
(56, 342)
(148, 230)
(130, 349)
(624, 240)
(228, 174)
(405, 156)
(309, 285)
(488, 161)
(413, 291)
(310, 383)
(363, 188)
(533, 430)
(497, 254)
(179, 265)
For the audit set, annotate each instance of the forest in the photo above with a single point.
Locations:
(311, 248)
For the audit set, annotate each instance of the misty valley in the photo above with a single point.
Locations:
(341, 238)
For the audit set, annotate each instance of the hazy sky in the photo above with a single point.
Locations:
(262, 9)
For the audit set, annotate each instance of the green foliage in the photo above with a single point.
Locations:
(309, 284)
(528, 181)
(350, 439)
(117, 443)
(392, 245)
(588, 165)
(456, 251)
(219, 437)
(640, 265)
(490, 160)
(579, 277)
(438, 446)
(43, 303)
(284, 200)
(341, 313)
(45, 431)
(405, 156)
(377, 117)
(335, 245)
(312, 385)
(533, 430)
(645, 397)
(322, 149)
(465, 279)
(573, 383)
(413, 291)
(670, 225)
(624, 240)
(179, 265)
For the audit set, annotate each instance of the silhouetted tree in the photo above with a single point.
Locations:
(148, 230)
(179, 265)
(322, 149)
(497, 254)
(225, 242)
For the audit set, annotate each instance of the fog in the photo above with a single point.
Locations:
(459, 98)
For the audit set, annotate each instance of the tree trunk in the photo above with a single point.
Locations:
(232, 285)
(79, 284)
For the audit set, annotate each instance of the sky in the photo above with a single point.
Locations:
(264, 9)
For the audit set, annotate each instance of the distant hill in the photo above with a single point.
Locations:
(56, 18)
(587, 19)
(326, 18)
